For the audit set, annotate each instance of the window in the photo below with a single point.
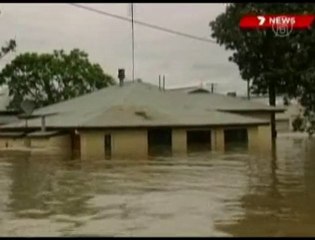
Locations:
(236, 138)
(160, 141)
(76, 145)
(198, 140)
(108, 146)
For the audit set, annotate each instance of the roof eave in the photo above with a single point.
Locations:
(253, 110)
(140, 126)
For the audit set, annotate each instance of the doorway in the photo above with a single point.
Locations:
(236, 139)
(198, 140)
(160, 141)
(76, 144)
(108, 146)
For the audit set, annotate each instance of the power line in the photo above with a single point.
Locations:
(144, 24)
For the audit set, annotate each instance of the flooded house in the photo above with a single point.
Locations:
(284, 120)
(137, 119)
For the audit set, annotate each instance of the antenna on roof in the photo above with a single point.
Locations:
(163, 82)
(159, 82)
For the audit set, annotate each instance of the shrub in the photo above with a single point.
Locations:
(297, 124)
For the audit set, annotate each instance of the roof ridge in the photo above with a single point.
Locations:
(117, 103)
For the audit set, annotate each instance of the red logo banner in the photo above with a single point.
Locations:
(272, 21)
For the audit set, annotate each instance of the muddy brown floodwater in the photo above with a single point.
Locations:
(206, 194)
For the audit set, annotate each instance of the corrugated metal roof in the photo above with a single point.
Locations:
(139, 104)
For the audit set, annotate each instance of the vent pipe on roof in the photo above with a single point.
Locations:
(159, 82)
(43, 126)
(121, 76)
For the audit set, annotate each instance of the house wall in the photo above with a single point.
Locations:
(12, 142)
(92, 144)
(253, 138)
(179, 141)
(264, 138)
(125, 143)
(217, 139)
(38, 142)
(60, 144)
(129, 143)
(133, 143)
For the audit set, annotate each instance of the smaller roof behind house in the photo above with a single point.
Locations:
(225, 102)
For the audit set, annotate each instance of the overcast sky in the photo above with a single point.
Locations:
(184, 61)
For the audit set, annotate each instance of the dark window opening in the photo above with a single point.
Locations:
(108, 146)
(160, 142)
(76, 145)
(236, 139)
(198, 140)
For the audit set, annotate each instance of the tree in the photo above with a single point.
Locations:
(273, 65)
(297, 124)
(8, 47)
(50, 78)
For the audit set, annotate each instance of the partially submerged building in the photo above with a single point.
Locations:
(138, 119)
(284, 120)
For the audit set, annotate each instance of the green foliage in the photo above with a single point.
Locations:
(286, 64)
(8, 47)
(286, 101)
(50, 78)
(297, 124)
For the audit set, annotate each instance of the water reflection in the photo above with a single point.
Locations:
(204, 194)
(283, 205)
(40, 189)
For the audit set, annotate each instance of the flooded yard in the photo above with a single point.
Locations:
(206, 194)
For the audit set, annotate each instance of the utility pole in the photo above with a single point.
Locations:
(133, 44)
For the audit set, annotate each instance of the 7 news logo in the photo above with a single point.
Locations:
(282, 25)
